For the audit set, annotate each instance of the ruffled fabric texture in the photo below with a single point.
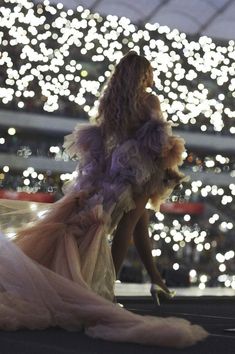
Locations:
(86, 145)
(35, 297)
(59, 270)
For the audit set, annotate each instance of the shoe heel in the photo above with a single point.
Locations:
(157, 292)
(155, 297)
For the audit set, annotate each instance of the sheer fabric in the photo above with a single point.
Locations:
(58, 271)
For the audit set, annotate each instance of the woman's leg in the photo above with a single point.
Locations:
(124, 232)
(143, 246)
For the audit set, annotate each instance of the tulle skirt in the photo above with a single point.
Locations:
(59, 272)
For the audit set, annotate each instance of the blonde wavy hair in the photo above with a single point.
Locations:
(121, 106)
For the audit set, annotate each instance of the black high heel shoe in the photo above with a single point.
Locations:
(160, 294)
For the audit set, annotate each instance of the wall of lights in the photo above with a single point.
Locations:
(53, 59)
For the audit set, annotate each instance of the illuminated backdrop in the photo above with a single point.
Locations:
(56, 60)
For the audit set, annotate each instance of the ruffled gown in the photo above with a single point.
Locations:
(59, 271)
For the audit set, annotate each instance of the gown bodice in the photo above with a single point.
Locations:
(146, 162)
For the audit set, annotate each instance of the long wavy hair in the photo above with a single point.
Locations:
(121, 106)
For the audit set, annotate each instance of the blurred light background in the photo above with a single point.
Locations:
(54, 59)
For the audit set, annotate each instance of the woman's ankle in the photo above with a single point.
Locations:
(159, 281)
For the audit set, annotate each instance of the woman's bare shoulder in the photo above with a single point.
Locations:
(152, 101)
(153, 107)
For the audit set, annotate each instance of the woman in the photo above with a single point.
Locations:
(59, 271)
(124, 108)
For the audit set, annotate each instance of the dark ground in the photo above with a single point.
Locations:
(214, 314)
